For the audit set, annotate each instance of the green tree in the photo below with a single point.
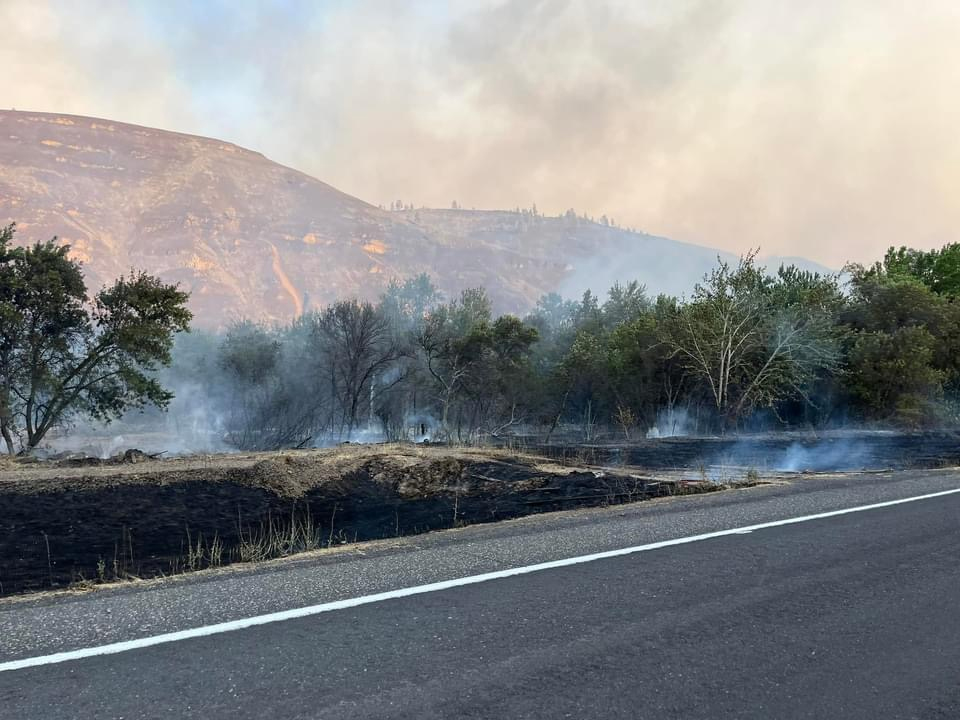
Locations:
(265, 388)
(751, 340)
(904, 345)
(625, 303)
(501, 383)
(62, 355)
(450, 342)
(406, 304)
(249, 353)
(938, 270)
(11, 371)
(892, 375)
(635, 362)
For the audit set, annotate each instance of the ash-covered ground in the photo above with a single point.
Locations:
(79, 520)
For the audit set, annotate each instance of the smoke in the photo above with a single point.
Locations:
(421, 426)
(660, 264)
(194, 423)
(90, 58)
(820, 127)
(846, 451)
(825, 457)
(672, 422)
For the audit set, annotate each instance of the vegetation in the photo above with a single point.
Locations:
(747, 349)
(63, 354)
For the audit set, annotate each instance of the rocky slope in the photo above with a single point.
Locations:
(252, 238)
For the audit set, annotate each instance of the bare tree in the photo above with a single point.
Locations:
(357, 343)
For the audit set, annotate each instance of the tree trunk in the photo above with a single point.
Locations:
(7, 437)
(6, 420)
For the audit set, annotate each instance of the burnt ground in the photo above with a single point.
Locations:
(63, 524)
(833, 451)
(84, 520)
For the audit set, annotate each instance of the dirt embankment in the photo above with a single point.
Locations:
(62, 525)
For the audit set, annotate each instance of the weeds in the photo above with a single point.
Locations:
(46, 539)
(333, 515)
(280, 538)
(123, 557)
(200, 555)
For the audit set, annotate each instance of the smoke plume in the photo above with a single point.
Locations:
(821, 128)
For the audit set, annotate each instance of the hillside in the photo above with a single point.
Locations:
(252, 238)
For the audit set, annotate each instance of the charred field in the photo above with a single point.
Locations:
(788, 451)
(78, 523)
(64, 525)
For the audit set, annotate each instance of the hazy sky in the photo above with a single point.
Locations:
(826, 128)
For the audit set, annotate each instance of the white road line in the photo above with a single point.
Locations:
(224, 627)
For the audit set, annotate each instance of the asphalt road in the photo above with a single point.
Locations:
(849, 616)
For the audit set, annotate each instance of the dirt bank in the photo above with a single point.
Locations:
(62, 525)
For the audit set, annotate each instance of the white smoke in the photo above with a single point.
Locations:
(672, 422)
(825, 457)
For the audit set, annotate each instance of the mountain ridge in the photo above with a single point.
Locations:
(252, 238)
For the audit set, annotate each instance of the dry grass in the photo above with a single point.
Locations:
(288, 472)
(280, 538)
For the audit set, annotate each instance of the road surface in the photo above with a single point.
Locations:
(714, 608)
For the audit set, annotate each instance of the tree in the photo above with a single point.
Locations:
(450, 341)
(252, 390)
(62, 355)
(249, 353)
(10, 331)
(406, 304)
(583, 370)
(625, 303)
(938, 270)
(357, 342)
(892, 376)
(904, 344)
(635, 364)
(753, 341)
(552, 314)
(500, 382)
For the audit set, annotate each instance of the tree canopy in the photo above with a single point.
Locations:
(63, 354)
(748, 348)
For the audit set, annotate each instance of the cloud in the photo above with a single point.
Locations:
(823, 129)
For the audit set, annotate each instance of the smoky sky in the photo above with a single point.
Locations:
(826, 129)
